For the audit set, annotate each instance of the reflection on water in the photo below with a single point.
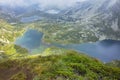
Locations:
(100, 50)
(105, 50)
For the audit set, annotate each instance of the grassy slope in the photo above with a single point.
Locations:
(66, 65)
(64, 33)
(53, 64)
(114, 63)
(8, 34)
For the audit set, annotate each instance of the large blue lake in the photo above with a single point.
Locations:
(106, 50)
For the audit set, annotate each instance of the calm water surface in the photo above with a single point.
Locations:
(106, 50)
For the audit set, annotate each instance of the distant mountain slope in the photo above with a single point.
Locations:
(87, 21)
(100, 15)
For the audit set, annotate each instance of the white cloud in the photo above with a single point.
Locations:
(58, 3)
(43, 3)
(13, 3)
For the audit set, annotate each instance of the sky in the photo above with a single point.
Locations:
(42, 3)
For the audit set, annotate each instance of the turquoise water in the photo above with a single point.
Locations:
(30, 40)
(106, 50)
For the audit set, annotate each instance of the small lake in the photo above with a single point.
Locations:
(106, 50)
(30, 40)
(30, 19)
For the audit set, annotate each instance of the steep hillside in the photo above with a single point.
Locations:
(8, 35)
(7, 14)
(99, 16)
(114, 63)
(7, 32)
(87, 21)
(56, 64)
(83, 22)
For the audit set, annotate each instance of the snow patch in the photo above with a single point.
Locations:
(115, 25)
(52, 11)
(112, 2)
